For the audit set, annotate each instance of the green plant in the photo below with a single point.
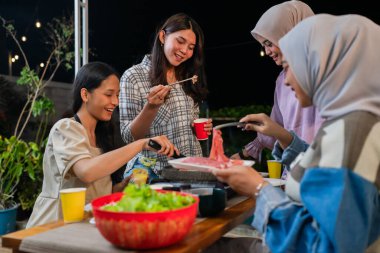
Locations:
(18, 159)
(21, 162)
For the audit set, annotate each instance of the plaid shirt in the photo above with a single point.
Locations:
(173, 119)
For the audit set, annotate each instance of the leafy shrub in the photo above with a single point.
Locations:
(20, 162)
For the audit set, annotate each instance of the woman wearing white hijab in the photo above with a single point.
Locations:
(332, 201)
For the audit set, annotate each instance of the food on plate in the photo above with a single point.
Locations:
(217, 157)
(141, 198)
(217, 150)
(213, 163)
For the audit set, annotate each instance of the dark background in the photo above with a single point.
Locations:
(121, 32)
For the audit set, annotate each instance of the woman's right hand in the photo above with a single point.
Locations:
(157, 95)
(265, 125)
(167, 147)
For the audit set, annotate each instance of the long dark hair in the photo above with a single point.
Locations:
(90, 77)
(193, 66)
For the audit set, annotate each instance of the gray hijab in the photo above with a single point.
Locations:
(279, 19)
(334, 59)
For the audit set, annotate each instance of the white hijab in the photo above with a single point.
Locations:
(334, 59)
(279, 19)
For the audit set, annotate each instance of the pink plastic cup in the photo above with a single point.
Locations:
(199, 125)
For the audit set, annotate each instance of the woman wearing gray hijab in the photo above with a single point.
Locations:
(331, 202)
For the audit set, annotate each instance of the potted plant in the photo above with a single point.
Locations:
(17, 159)
(21, 161)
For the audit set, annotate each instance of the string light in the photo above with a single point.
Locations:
(13, 59)
(42, 65)
(262, 53)
(23, 38)
(38, 24)
(16, 56)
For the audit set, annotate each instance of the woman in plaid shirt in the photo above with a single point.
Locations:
(150, 106)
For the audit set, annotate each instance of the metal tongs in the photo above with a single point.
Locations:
(237, 124)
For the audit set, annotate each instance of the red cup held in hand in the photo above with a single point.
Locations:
(199, 125)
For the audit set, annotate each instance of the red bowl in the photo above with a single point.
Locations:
(143, 230)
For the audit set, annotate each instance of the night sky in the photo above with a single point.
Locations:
(121, 32)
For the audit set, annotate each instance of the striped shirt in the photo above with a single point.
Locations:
(173, 119)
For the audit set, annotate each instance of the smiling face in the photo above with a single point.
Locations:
(291, 81)
(101, 102)
(178, 46)
(273, 52)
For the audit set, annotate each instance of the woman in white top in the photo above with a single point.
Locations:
(79, 149)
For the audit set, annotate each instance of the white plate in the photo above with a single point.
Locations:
(275, 181)
(177, 163)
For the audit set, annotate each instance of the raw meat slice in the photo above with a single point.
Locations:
(217, 150)
(205, 161)
(210, 162)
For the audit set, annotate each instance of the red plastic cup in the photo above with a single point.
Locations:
(199, 125)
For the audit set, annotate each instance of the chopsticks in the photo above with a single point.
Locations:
(193, 79)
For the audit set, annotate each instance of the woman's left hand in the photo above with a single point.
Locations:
(209, 126)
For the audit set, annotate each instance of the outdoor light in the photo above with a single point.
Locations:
(38, 24)
(262, 53)
(16, 56)
(42, 65)
(23, 38)
(13, 59)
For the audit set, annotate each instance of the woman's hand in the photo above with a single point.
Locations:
(167, 147)
(265, 125)
(208, 127)
(242, 179)
(157, 95)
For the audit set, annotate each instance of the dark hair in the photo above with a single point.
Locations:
(193, 66)
(90, 77)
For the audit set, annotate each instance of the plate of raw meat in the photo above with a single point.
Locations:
(206, 164)
(217, 159)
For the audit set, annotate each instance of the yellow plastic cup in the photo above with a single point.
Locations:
(73, 202)
(274, 168)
